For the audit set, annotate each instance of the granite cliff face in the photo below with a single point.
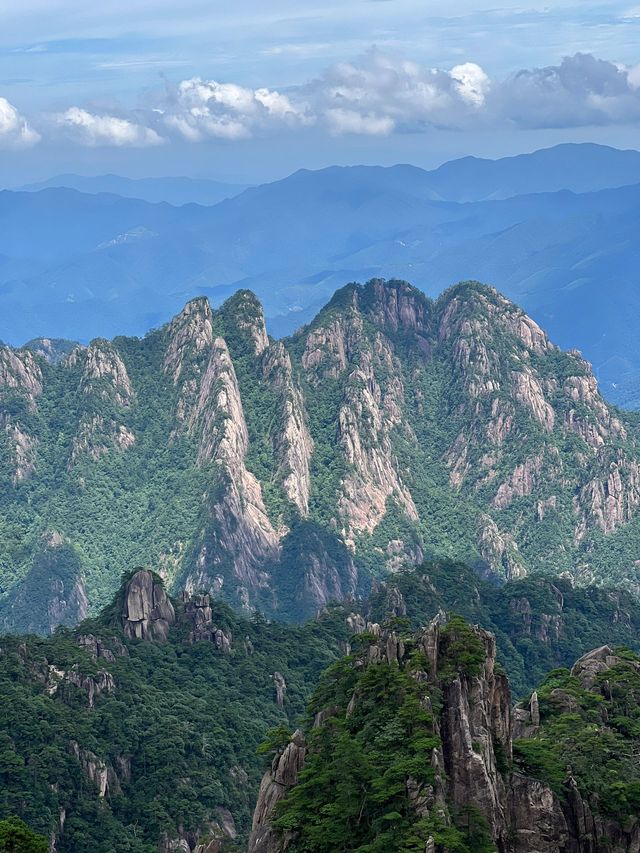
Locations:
(471, 767)
(283, 474)
(147, 612)
(280, 777)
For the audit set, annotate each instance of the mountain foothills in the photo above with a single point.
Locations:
(147, 730)
(283, 475)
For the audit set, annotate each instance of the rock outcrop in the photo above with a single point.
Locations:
(93, 685)
(21, 378)
(197, 609)
(291, 440)
(96, 770)
(280, 686)
(147, 612)
(471, 767)
(281, 776)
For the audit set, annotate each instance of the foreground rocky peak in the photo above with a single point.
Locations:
(462, 785)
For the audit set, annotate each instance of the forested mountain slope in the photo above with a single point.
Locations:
(283, 475)
(147, 728)
(139, 731)
(412, 744)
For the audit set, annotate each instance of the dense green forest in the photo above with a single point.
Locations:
(122, 742)
(540, 623)
(170, 737)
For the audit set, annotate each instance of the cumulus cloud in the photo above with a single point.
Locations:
(91, 129)
(376, 94)
(379, 94)
(582, 90)
(15, 131)
(198, 109)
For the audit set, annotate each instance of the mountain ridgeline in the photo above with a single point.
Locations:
(282, 475)
(554, 230)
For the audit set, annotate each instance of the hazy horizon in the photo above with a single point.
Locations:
(245, 95)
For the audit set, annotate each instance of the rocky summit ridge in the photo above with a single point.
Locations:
(286, 474)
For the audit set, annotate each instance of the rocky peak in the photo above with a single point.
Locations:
(472, 306)
(147, 611)
(105, 374)
(396, 306)
(190, 336)
(20, 371)
(242, 313)
(332, 342)
(52, 350)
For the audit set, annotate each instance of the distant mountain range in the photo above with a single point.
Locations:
(555, 230)
(172, 190)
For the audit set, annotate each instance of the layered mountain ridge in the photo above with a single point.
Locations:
(554, 230)
(286, 474)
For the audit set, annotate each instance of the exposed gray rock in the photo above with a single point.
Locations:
(477, 725)
(198, 609)
(147, 612)
(281, 688)
(97, 647)
(97, 771)
(93, 685)
(281, 776)
(591, 665)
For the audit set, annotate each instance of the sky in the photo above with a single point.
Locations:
(247, 91)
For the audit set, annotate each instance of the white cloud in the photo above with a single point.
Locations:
(198, 109)
(471, 82)
(581, 91)
(376, 94)
(91, 129)
(342, 121)
(379, 93)
(15, 131)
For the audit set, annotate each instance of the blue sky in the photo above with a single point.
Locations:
(252, 90)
